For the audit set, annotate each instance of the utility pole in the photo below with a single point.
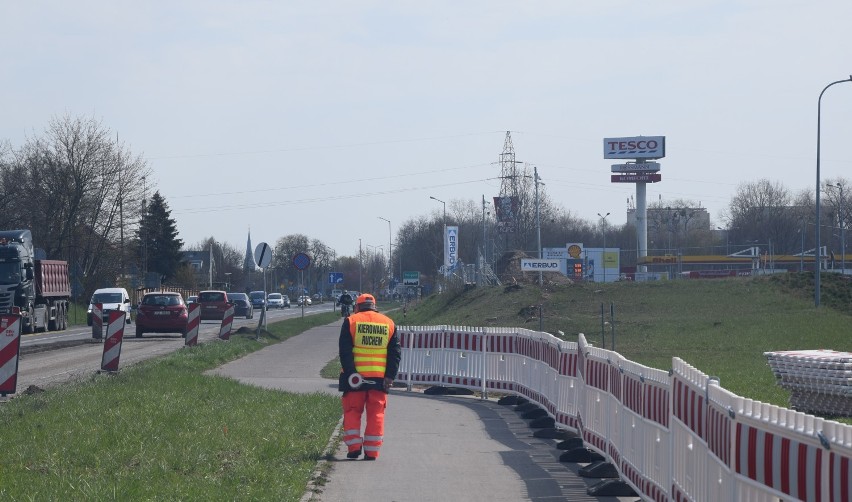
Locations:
(603, 255)
(510, 188)
(143, 229)
(484, 245)
(538, 220)
(390, 256)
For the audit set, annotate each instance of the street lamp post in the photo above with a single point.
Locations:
(817, 251)
(380, 249)
(840, 222)
(538, 182)
(603, 255)
(390, 256)
(443, 235)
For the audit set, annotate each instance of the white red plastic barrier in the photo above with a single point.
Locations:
(193, 319)
(10, 345)
(97, 320)
(227, 323)
(671, 435)
(112, 343)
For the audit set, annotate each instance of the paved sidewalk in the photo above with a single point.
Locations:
(435, 447)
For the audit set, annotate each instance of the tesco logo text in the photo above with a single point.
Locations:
(650, 144)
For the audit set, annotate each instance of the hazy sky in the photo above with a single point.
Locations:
(319, 117)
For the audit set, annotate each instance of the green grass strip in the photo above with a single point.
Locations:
(161, 430)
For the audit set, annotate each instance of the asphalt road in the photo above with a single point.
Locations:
(56, 357)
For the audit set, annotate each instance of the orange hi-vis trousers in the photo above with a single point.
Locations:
(354, 405)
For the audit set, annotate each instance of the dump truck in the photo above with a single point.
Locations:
(36, 289)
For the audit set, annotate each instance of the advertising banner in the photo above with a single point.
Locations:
(506, 209)
(540, 265)
(555, 253)
(451, 248)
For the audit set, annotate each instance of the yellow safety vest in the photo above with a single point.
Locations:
(371, 333)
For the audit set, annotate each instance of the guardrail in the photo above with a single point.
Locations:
(672, 435)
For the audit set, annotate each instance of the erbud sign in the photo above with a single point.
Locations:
(451, 247)
(635, 147)
(539, 265)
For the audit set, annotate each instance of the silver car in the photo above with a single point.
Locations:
(277, 301)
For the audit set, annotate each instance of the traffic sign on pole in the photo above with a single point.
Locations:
(301, 261)
(263, 255)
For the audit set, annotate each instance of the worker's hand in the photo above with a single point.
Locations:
(387, 384)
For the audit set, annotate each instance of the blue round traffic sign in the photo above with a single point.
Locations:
(301, 261)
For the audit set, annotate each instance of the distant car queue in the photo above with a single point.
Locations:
(167, 312)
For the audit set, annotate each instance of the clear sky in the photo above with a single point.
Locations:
(319, 117)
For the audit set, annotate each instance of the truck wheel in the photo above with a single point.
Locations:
(139, 331)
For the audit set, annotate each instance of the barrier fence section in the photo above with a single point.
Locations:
(672, 435)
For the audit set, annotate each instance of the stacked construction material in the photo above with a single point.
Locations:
(819, 381)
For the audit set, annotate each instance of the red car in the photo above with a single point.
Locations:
(162, 312)
(213, 304)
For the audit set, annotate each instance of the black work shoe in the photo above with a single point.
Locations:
(353, 455)
(367, 457)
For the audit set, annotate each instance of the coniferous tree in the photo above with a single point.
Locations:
(159, 245)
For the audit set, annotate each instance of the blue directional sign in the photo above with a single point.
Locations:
(335, 277)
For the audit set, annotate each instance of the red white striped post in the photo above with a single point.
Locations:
(227, 322)
(193, 319)
(114, 337)
(10, 346)
(97, 320)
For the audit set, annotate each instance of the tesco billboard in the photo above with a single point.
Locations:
(635, 147)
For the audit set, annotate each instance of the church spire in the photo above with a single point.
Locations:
(248, 264)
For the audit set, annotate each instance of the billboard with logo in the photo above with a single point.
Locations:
(540, 265)
(635, 147)
(451, 248)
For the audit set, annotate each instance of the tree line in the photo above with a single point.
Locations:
(84, 195)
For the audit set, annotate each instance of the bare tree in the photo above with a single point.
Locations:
(762, 213)
(82, 181)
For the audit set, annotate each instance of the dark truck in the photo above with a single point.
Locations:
(38, 290)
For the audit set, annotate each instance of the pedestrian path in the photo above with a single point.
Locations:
(444, 448)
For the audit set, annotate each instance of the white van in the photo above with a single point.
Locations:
(112, 299)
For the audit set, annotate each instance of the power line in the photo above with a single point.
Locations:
(319, 147)
(333, 197)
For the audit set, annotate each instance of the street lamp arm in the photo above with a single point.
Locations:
(817, 253)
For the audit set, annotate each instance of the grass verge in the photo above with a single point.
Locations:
(722, 327)
(161, 430)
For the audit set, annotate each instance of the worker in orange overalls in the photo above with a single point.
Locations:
(369, 356)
